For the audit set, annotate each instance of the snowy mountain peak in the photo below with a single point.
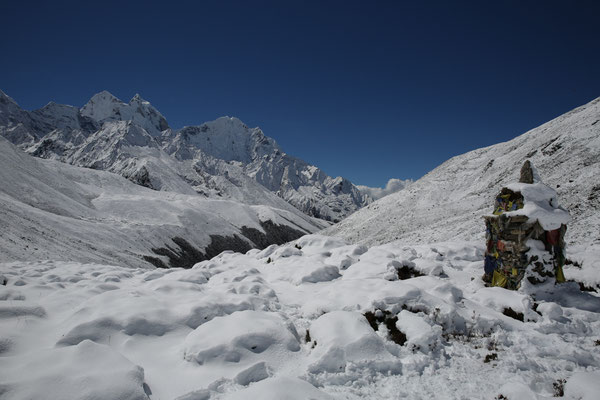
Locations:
(231, 121)
(101, 99)
(226, 138)
(52, 106)
(137, 99)
(104, 107)
(7, 107)
(4, 98)
(62, 117)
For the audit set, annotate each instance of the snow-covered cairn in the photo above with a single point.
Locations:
(525, 233)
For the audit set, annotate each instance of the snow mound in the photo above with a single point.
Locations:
(583, 386)
(541, 204)
(76, 372)
(280, 388)
(343, 337)
(419, 333)
(239, 337)
(254, 373)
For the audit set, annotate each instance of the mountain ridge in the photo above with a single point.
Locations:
(74, 135)
(56, 211)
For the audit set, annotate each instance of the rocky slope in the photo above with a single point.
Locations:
(219, 159)
(448, 202)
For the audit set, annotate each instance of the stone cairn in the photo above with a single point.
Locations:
(525, 234)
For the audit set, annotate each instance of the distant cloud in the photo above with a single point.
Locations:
(392, 186)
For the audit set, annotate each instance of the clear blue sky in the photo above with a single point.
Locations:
(369, 90)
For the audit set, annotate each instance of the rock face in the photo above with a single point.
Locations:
(448, 202)
(222, 159)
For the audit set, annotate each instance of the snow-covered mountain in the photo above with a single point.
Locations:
(52, 210)
(305, 186)
(219, 159)
(448, 202)
(103, 107)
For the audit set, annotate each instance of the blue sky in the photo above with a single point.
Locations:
(369, 90)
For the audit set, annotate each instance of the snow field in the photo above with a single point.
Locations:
(291, 322)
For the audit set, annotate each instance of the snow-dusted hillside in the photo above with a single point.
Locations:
(449, 201)
(52, 210)
(219, 159)
(313, 319)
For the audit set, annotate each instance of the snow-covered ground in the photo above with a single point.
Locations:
(291, 322)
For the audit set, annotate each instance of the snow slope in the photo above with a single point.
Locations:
(291, 322)
(219, 159)
(449, 201)
(52, 210)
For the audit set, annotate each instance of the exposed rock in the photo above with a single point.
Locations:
(526, 173)
(186, 255)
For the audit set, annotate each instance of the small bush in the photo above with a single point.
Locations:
(394, 334)
(509, 312)
(407, 272)
(490, 357)
(559, 387)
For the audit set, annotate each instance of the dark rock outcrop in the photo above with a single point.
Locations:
(185, 254)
